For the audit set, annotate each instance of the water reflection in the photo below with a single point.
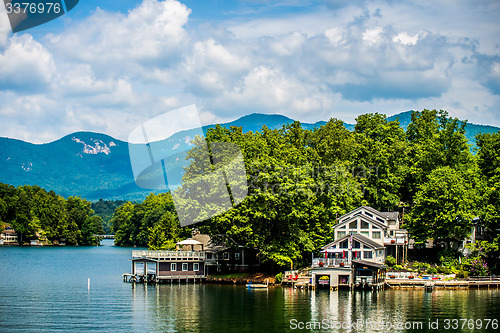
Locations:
(222, 308)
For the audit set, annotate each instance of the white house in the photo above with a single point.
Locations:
(365, 234)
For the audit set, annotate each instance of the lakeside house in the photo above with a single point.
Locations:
(364, 238)
(8, 236)
(194, 258)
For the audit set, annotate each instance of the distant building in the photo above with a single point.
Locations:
(8, 236)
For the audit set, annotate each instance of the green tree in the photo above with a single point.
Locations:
(488, 157)
(434, 140)
(444, 206)
(380, 157)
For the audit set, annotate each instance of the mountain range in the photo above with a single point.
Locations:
(95, 166)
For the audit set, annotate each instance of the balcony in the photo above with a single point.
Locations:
(394, 241)
(169, 255)
(330, 262)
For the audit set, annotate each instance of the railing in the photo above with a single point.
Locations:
(169, 254)
(330, 262)
(484, 278)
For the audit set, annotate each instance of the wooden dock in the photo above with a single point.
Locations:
(152, 278)
(440, 284)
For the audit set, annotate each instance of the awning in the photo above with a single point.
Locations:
(330, 250)
(189, 242)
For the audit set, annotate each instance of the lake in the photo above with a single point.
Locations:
(47, 289)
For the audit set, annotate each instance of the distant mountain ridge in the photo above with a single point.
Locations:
(95, 166)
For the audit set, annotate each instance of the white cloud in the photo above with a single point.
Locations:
(112, 71)
(26, 64)
(373, 36)
(406, 39)
(4, 27)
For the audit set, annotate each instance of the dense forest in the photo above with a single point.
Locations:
(300, 180)
(105, 209)
(37, 214)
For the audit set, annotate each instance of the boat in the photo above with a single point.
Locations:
(251, 285)
(257, 286)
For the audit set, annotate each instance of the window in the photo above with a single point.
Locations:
(237, 256)
(369, 214)
(342, 227)
(357, 213)
(226, 255)
(356, 245)
(376, 235)
(391, 232)
(196, 267)
(209, 255)
(173, 266)
(353, 225)
(367, 254)
(365, 225)
(344, 245)
(380, 220)
(380, 253)
(365, 233)
(184, 267)
(340, 234)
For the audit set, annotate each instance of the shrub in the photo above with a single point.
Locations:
(478, 267)
(397, 267)
(443, 270)
(432, 270)
(417, 264)
(390, 261)
(279, 277)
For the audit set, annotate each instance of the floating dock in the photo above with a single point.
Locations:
(440, 284)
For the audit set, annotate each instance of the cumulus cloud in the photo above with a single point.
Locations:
(26, 65)
(111, 71)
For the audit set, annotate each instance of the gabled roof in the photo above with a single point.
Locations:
(368, 263)
(368, 241)
(369, 219)
(360, 238)
(368, 208)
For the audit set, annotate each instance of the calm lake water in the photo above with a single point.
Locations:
(46, 289)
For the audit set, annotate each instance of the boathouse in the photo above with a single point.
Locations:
(368, 275)
(157, 266)
(193, 259)
(8, 236)
(332, 277)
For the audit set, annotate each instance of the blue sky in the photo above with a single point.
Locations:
(107, 66)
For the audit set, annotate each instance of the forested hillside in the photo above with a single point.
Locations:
(37, 214)
(300, 180)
